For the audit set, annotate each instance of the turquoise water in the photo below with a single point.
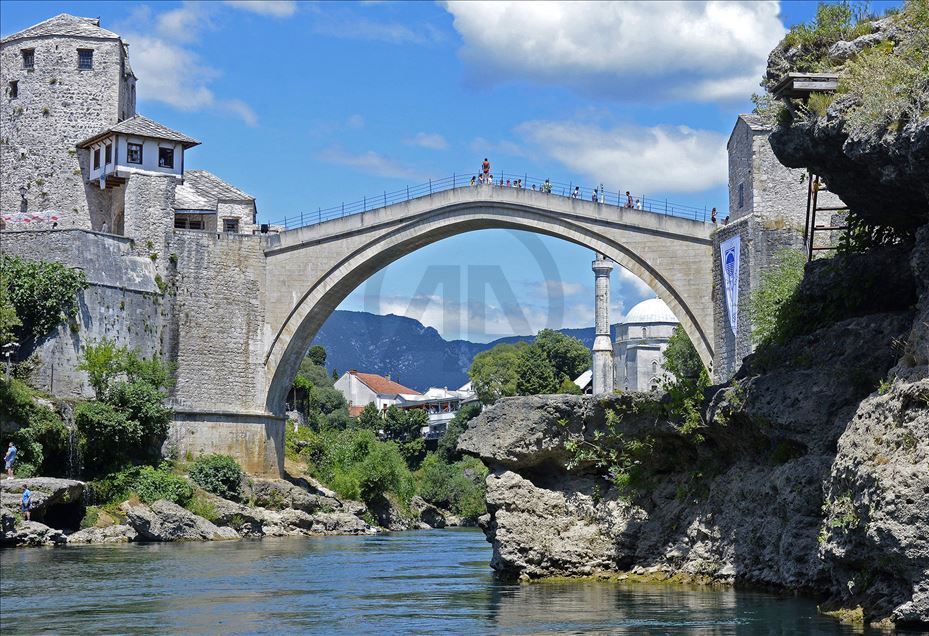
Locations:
(423, 582)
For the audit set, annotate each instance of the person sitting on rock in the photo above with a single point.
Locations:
(25, 505)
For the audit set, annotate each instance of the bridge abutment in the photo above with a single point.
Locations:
(256, 440)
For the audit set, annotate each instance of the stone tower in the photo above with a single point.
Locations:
(603, 343)
(63, 80)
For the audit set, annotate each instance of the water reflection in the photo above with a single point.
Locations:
(418, 583)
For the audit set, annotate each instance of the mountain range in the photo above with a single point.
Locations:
(409, 352)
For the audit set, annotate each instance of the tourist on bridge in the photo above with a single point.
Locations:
(638, 204)
(547, 187)
(593, 197)
(577, 192)
(9, 458)
(629, 202)
(712, 216)
(473, 179)
(485, 168)
(509, 184)
(25, 504)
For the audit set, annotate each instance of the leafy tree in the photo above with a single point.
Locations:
(568, 387)
(159, 483)
(447, 448)
(317, 355)
(568, 356)
(335, 375)
(534, 373)
(370, 418)
(686, 382)
(681, 358)
(42, 293)
(9, 321)
(493, 372)
(403, 426)
(769, 307)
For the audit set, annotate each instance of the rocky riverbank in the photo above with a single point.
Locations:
(274, 508)
(810, 471)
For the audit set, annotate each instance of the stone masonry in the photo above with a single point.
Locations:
(57, 105)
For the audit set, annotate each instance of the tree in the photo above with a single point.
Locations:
(568, 356)
(686, 382)
(681, 358)
(403, 426)
(534, 373)
(568, 387)
(493, 372)
(370, 418)
(317, 355)
(9, 321)
(447, 448)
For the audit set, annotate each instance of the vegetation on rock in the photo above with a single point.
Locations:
(218, 474)
(41, 295)
(41, 438)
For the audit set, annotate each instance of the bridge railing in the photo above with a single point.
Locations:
(615, 198)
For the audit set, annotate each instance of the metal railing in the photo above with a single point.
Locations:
(615, 198)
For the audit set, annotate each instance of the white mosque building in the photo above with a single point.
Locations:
(641, 340)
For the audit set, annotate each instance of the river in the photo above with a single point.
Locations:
(420, 582)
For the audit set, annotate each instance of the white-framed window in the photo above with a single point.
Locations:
(165, 157)
(133, 153)
(96, 158)
(85, 59)
(108, 154)
(231, 225)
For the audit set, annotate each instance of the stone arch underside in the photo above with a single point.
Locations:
(388, 244)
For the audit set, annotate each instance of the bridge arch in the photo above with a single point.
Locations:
(311, 270)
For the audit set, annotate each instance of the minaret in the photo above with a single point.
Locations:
(603, 343)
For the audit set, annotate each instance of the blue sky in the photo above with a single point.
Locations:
(307, 105)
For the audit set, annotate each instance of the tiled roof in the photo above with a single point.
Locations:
(64, 24)
(381, 385)
(202, 190)
(143, 127)
(355, 411)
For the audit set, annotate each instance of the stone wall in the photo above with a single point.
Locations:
(741, 149)
(121, 303)
(244, 212)
(149, 211)
(58, 106)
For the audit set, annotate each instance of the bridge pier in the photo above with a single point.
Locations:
(256, 440)
(603, 342)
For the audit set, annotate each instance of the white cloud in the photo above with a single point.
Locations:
(433, 141)
(630, 282)
(644, 160)
(185, 23)
(369, 162)
(355, 122)
(632, 50)
(360, 28)
(174, 75)
(273, 8)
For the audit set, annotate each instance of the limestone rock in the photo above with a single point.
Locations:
(391, 517)
(427, 513)
(109, 534)
(245, 520)
(166, 521)
(47, 492)
(32, 534)
(339, 523)
(278, 494)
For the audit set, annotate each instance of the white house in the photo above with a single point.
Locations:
(361, 389)
(441, 406)
(137, 145)
(206, 202)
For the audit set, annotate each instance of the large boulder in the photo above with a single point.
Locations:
(278, 494)
(166, 521)
(427, 513)
(47, 492)
(32, 534)
(247, 521)
(109, 534)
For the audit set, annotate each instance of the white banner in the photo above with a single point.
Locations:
(729, 252)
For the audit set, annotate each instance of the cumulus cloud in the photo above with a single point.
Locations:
(175, 75)
(633, 50)
(642, 159)
(433, 141)
(632, 285)
(369, 162)
(273, 8)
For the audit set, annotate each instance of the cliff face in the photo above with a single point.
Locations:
(813, 472)
(872, 142)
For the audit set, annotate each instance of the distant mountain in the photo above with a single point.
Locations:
(403, 348)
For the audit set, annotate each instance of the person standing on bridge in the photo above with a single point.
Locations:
(485, 168)
(712, 216)
(473, 179)
(638, 204)
(577, 192)
(593, 197)
(629, 202)
(547, 187)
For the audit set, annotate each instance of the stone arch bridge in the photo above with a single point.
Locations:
(300, 276)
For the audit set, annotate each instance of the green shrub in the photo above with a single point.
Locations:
(43, 293)
(42, 438)
(769, 307)
(90, 518)
(457, 487)
(218, 474)
(154, 484)
(113, 488)
(818, 103)
(383, 471)
(202, 507)
(447, 447)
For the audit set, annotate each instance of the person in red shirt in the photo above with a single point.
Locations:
(485, 167)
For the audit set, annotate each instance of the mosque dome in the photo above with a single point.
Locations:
(647, 311)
